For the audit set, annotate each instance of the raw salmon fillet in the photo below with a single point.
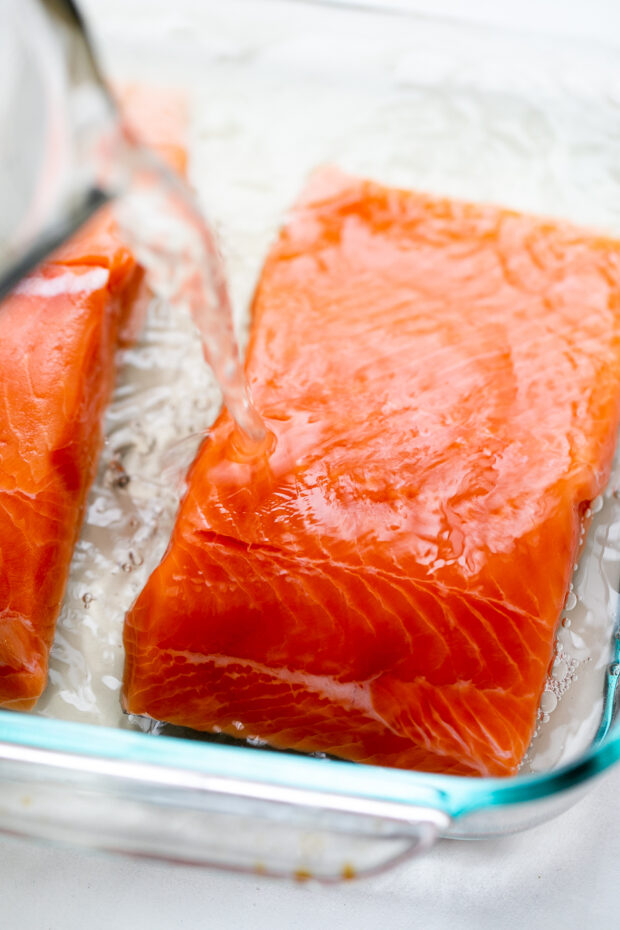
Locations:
(443, 381)
(59, 331)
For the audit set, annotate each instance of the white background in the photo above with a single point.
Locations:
(563, 874)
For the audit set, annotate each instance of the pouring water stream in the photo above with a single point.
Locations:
(160, 217)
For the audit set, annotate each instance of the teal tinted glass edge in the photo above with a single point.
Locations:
(454, 795)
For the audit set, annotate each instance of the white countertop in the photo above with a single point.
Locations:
(561, 874)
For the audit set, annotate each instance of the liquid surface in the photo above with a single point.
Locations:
(164, 226)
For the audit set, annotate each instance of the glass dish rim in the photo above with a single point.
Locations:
(127, 753)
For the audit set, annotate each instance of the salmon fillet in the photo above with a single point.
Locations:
(59, 331)
(443, 380)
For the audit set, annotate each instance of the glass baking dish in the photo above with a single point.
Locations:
(276, 88)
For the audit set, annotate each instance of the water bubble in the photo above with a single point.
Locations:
(559, 670)
(571, 601)
(597, 504)
(256, 741)
(614, 669)
(548, 702)
(134, 560)
(566, 622)
(87, 599)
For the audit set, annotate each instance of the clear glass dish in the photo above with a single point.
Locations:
(275, 89)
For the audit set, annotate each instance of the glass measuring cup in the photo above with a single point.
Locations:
(55, 117)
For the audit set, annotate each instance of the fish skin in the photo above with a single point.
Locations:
(442, 380)
(59, 332)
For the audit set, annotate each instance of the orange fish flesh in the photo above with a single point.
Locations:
(443, 381)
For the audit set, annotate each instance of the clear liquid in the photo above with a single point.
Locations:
(161, 220)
